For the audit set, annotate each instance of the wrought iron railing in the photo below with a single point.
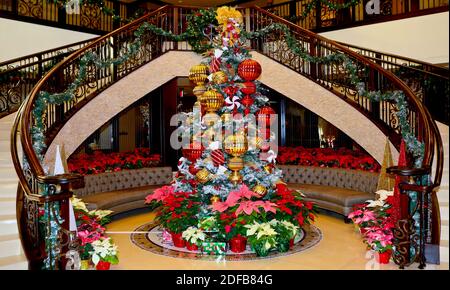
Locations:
(35, 182)
(321, 18)
(430, 83)
(89, 19)
(18, 76)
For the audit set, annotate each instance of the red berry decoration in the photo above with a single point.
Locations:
(249, 88)
(249, 70)
(218, 157)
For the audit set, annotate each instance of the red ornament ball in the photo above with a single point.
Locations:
(249, 88)
(247, 101)
(218, 157)
(249, 70)
(264, 115)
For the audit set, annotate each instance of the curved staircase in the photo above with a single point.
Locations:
(11, 254)
(153, 46)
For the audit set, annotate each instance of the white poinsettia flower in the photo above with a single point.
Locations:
(78, 204)
(375, 203)
(192, 235)
(384, 194)
(100, 213)
(103, 248)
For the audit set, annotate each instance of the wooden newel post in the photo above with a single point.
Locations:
(411, 229)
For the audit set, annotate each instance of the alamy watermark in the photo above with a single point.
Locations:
(373, 7)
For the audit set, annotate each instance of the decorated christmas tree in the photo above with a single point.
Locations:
(228, 188)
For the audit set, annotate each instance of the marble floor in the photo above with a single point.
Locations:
(341, 248)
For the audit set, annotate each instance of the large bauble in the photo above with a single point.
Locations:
(249, 70)
(198, 74)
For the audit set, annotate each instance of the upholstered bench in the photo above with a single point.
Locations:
(333, 189)
(122, 190)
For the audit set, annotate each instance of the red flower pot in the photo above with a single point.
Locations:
(178, 240)
(291, 243)
(102, 265)
(383, 258)
(238, 244)
(191, 247)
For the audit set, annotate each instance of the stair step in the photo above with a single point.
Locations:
(444, 211)
(18, 262)
(444, 231)
(443, 253)
(10, 248)
(8, 227)
(11, 237)
(7, 208)
(7, 173)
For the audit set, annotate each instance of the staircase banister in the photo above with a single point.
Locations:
(46, 51)
(445, 71)
(389, 75)
(27, 143)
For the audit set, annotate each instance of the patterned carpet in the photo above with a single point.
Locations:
(149, 238)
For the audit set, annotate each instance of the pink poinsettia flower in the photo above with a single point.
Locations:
(235, 196)
(159, 194)
(248, 207)
(220, 206)
(367, 216)
(269, 206)
(355, 213)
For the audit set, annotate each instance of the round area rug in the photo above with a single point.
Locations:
(149, 238)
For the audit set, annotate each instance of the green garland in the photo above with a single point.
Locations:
(415, 147)
(333, 6)
(195, 36)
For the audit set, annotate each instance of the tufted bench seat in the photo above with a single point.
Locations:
(333, 189)
(122, 190)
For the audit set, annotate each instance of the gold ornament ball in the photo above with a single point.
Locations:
(259, 190)
(199, 91)
(203, 175)
(212, 100)
(220, 77)
(214, 199)
(198, 74)
(236, 145)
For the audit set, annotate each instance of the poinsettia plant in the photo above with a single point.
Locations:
(262, 237)
(292, 207)
(99, 162)
(177, 210)
(327, 157)
(90, 226)
(104, 250)
(194, 236)
(242, 207)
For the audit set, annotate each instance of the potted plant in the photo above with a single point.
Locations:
(291, 207)
(193, 237)
(177, 211)
(380, 239)
(286, 234)
(104, 254)
(262, 237)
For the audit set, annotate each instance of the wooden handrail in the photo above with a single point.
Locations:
(24, 120)
(429, 140)
(27, 143)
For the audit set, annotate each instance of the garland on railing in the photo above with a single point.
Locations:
(415, 147)
(331, 5)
